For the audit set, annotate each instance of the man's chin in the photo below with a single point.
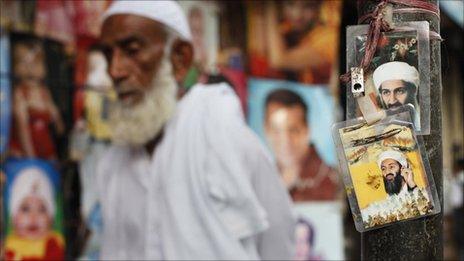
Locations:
(130, 100)
(137, 124)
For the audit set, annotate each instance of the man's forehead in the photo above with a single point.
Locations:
(393, 84)
(118, 27)
(389, 161)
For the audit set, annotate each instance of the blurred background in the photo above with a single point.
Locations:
(56, 96)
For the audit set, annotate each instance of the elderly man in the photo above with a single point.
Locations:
(397, 83)
(397, 175)
(185, 179)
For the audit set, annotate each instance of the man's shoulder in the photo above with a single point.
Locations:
(215, 111)
(313, 155)
(219, 95)
(208, 105)
(314, 159)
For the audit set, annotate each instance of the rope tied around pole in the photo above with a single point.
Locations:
(377, 25)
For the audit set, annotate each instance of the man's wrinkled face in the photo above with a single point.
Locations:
(133, 47)
(287, 133)
(32, 220)
(394, 93)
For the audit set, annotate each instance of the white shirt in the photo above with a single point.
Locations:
(210, 191)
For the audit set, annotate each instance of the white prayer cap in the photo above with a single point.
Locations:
(32, 181)
(392, 154)
(395, 71)
(168, 13)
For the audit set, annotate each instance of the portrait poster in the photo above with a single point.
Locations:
(293, 40)
(34, 216)
(319, 231)
(40, 86)
(5, 93)
(287, 116)
(203, 19)
(387, 175)
(399, 72)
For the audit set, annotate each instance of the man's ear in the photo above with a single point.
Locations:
(181, 58)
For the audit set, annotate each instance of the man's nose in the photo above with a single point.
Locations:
(118, 68)
(392, 99)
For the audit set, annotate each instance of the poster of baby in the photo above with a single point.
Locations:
(33, 213)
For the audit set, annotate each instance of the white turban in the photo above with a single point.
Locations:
(32, 181)
(392, 154)
(395, 71)
(168, 13)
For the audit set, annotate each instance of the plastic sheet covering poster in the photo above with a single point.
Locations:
(287, 116)
(389, 172)
(319, 231)
(33, 211)
(5, 93)
(293, 40)
(204, 26)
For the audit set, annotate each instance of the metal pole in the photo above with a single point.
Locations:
(419, 239)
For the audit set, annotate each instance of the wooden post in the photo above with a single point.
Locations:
(419, 239)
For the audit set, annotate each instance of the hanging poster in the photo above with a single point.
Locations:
(33, 106)
(399, 72)
(286, 116)
(33, 214)
(386, 171)
(294, 40)
(203, 20)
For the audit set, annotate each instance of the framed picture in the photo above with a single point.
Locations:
(33, 211)
(319, 231)
(386, 172)
(203, 19)
(293, 40)
(286, 115)
(399, 72)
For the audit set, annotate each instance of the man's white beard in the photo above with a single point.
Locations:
(136, 125)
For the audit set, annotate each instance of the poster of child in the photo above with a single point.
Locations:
(33, 212)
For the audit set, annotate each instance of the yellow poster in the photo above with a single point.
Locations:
(387, 173)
